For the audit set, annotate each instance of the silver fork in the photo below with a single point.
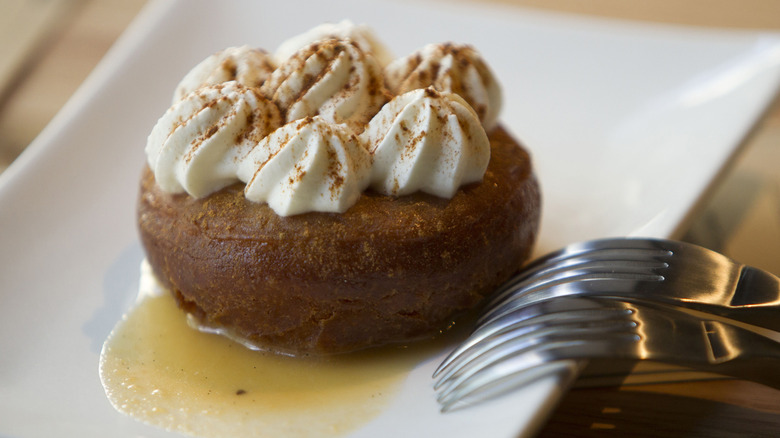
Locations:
(664, 271)
(526, 343)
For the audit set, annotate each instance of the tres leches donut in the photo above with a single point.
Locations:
(328, 198)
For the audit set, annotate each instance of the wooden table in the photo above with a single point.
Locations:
(81, 32)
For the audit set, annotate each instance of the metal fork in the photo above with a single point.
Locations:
(664, 271)
(526, 343)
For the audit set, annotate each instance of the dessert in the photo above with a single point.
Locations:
(337, 200)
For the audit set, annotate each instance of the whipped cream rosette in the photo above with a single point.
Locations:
(196, 145)
(245, 65)
(426, 140)
(361, 34)
(456, 68)
(307, 165)
(331, 78)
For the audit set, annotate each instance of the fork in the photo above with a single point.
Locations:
(526, 343)
(665, 271)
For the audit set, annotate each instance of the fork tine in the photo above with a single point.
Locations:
(511, 321)
(600, 276)
(525, 365)
(583, 325)
(517, 332)
(525, 319)
(554, 265)
(579, 286)
(522, 375)
(550, 268)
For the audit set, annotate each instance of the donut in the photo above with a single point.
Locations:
(389, 270)
(329, 202)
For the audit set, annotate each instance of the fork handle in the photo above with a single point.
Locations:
(739, 353)
(755, 301)
(767, 317)
(756, 288)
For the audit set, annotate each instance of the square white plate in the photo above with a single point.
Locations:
(629, 125)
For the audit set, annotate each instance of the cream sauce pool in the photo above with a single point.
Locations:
(158, 370)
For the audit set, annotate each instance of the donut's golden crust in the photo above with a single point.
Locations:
(388, 270)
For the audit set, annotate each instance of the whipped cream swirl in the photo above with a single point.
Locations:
(361, 34)
(332, 78)
(197, 144)
(326, 117)
(245, 65)
(426, 140)
(449, 67)
(306, 165)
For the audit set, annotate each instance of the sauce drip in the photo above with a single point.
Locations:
(158, 370)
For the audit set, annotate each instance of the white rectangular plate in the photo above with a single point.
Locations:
(628, 124)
